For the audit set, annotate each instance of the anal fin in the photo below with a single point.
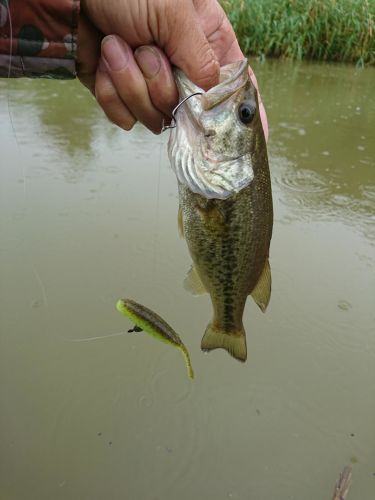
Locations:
(262, 291)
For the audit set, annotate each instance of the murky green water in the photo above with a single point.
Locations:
(88, 215)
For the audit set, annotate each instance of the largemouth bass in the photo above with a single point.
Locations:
(146, 320)
(218, 152)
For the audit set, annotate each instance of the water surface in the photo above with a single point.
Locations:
(88, 215)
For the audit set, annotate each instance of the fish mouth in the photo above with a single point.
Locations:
(233, 76)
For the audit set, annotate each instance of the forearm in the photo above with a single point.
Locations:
(38, 38)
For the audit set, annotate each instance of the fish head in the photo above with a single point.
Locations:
(213, 146)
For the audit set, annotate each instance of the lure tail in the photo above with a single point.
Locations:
(232, 341)
(187, 361)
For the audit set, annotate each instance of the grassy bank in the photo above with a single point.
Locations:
(326, 30)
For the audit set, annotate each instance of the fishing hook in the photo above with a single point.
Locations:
(173, 121)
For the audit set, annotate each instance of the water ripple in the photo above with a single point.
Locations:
(368, 192)
(303, 181)
(162, 388)
(172, 397)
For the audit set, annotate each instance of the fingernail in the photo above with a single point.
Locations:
(115, 53)
(148, 60)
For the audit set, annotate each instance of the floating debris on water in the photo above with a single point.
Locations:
(343, 484)
(344, 305)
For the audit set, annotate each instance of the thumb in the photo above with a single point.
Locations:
(187, 47)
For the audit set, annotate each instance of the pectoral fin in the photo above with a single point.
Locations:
(180, 222)
(262, 291)
(193, 283)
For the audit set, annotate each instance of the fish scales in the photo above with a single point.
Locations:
(222, 251)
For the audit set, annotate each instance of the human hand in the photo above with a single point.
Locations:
(134, 79)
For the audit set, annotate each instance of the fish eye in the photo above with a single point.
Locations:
(246, 112)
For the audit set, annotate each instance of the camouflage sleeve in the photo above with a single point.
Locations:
(38, 38)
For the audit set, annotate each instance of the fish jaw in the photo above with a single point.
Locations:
(233, 76)
(210, 149)
(205, 174)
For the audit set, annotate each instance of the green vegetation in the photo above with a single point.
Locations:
(327, 30)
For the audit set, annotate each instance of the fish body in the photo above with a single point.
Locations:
(147, 320)
(218, 152)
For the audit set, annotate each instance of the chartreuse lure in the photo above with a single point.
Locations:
(150, 322)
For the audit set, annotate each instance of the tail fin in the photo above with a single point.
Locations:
(233, 342)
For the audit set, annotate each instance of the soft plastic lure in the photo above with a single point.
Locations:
(150, 322)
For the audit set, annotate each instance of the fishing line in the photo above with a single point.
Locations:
(90, 339)
(41, 284)
(11, 36)
(163, 128)
(156, 232)
(10, 66)
(8, 99)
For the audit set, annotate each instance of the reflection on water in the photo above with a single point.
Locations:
(321, 119)
(88, 215)
(63, 115)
